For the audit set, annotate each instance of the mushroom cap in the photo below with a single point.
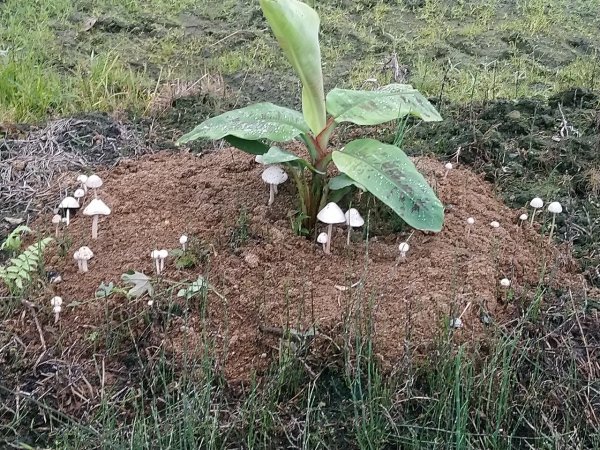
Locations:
(274, 175)
(322, 238)
(56, 219)
(456, 322)
(82, 178)
(536, 203)
(404, 247)
(163, 254)
(494, 224)
(470, 221)
(56, 301)
(505, 282)
(448, 166)
(76, 256)
(85, 253)
(259, 159)
(331, 214)
(353, 218)
(79, 193)
(93, 181)
(523, 217)
(555, 208)
(96, 207)
(68, 203)
(155, 254)
(183, 239)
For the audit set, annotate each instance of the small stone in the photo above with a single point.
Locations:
(14, 220)
(456, 323)
(514, 115)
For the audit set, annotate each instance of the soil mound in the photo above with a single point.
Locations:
(269, 279)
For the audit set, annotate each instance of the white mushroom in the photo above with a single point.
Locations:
(56, 221)
(82, 179)
(273, 176)
(322, 239)
(536, 204)
(96, 208)
(494, 224)
(259, 159)
(78, 194)
(448, 166)
(67, 204)
(404, 248)
(522, 218)
(82, 256)
(554, 208)
(183, 241)
(456, 323)
(155, 255)
(330, 215)
(94, 182)
(162, 255)
(353, 220)
(505, 282)
(56, 303)
(470, 222)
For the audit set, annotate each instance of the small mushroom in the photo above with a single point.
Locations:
(56, 303)
(404, 248)
(554, 208)
(162, 255)
(505, 283)
(322, 239)
(82, 256)
(67, 205)
(94, 182)
(353, 220)
(82, 179)
(183, 241)
(523, 218)
(259, 159)
(456, 323)
(448, 166)
(274, 176)
(155, 255)
(331, 214)
(536, 204)
(494, 224)
(79, 194)
(470, 222)
(56, 221)
(96, 208)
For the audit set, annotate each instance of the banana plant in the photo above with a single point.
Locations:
(383, 170)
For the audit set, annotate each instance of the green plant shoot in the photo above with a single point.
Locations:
(381, 169)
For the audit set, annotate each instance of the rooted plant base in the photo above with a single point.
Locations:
(277, 279)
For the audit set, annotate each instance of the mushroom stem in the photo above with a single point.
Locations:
(328, 245)
(552, 228)
(162, 264)
(275, 189)
(272, 189)
(94, 226)
(56, 317)
(83, 267)
(95, 193)
(68, 212)
(533, 216)
(157, 264)
(79, 269)
(56, 233)
(348, 238)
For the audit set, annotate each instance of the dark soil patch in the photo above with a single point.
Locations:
(277, 280)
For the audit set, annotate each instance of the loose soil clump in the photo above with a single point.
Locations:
(269, 280)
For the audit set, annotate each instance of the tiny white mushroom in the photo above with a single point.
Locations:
(162, 254)
(322, 239)
(505, 282)
(353, 220)
(78, 194)
(470, 222)
(494, 224)
(84, 254)
(94, 182)
(150, 303)
(96, 208)
(536, 204)
(331, 214)
(259, 159)
(155, 255)
(67, 204)
(56, 221)
(554, 208)
(82, 179)
(456, 323)
(56, 303)
(448, 166)
(183, 241)
(273, 176)
(522, 218)
(404, 248)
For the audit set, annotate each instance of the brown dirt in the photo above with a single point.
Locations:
(278, 279)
